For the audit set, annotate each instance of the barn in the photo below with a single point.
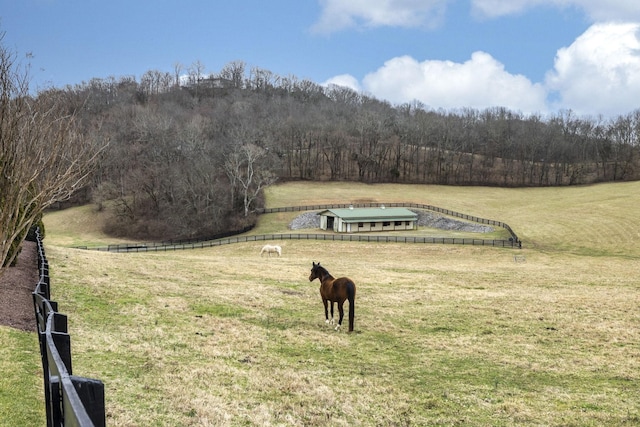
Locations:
(357, 220)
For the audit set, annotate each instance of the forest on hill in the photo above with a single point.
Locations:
(189, 157)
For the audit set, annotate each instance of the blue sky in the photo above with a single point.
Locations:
(533, 56)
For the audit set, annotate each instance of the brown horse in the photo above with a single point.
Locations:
(335, 290)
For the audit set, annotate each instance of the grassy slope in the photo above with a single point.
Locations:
(444, 335)
(81, 226)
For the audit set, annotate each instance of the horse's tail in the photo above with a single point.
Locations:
(351, 296)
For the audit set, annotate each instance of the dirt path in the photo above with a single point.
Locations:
(16, 285)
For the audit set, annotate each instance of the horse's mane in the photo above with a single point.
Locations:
(323, 270)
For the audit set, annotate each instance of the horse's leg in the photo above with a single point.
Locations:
(326, 310)
(351, 296)
(341, 311)
(333, 321)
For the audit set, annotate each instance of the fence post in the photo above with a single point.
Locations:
(55, 417)
(91, 393)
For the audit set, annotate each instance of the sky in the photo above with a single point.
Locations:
(530, 56)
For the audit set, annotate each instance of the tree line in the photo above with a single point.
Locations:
(188, 153)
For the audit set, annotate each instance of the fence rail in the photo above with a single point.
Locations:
(69, 400)
(229, 238)
(333, 237)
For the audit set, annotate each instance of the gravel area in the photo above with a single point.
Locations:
(306, 220)
(425, 219)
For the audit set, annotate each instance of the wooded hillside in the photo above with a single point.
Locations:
(190, 157)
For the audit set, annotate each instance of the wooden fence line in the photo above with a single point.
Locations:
(333, 237)
(223, 239)
(69, 400)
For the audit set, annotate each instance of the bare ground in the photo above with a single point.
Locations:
(16, 285)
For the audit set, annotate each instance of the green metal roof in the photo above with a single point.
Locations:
(371, 214)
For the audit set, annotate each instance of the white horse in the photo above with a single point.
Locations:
(271, 248)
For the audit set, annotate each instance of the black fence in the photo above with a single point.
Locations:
(157, 247)
(69, 400)
(513, 241)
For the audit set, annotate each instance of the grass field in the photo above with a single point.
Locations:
(444, 335)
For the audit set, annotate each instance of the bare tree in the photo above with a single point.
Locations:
(234, 72)
(43, 156)
(262, 80)
(177, 70)
(196, 75)
(245, 171)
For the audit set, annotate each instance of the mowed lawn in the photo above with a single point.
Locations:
(444, 335)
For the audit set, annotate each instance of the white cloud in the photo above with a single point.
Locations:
(338, 15)
(346, 80)
(611, 10)
(495, 8)
(480, 82)
(596, 10)
(341, 14)
(600, 71)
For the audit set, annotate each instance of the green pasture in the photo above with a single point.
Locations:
(444, 335)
